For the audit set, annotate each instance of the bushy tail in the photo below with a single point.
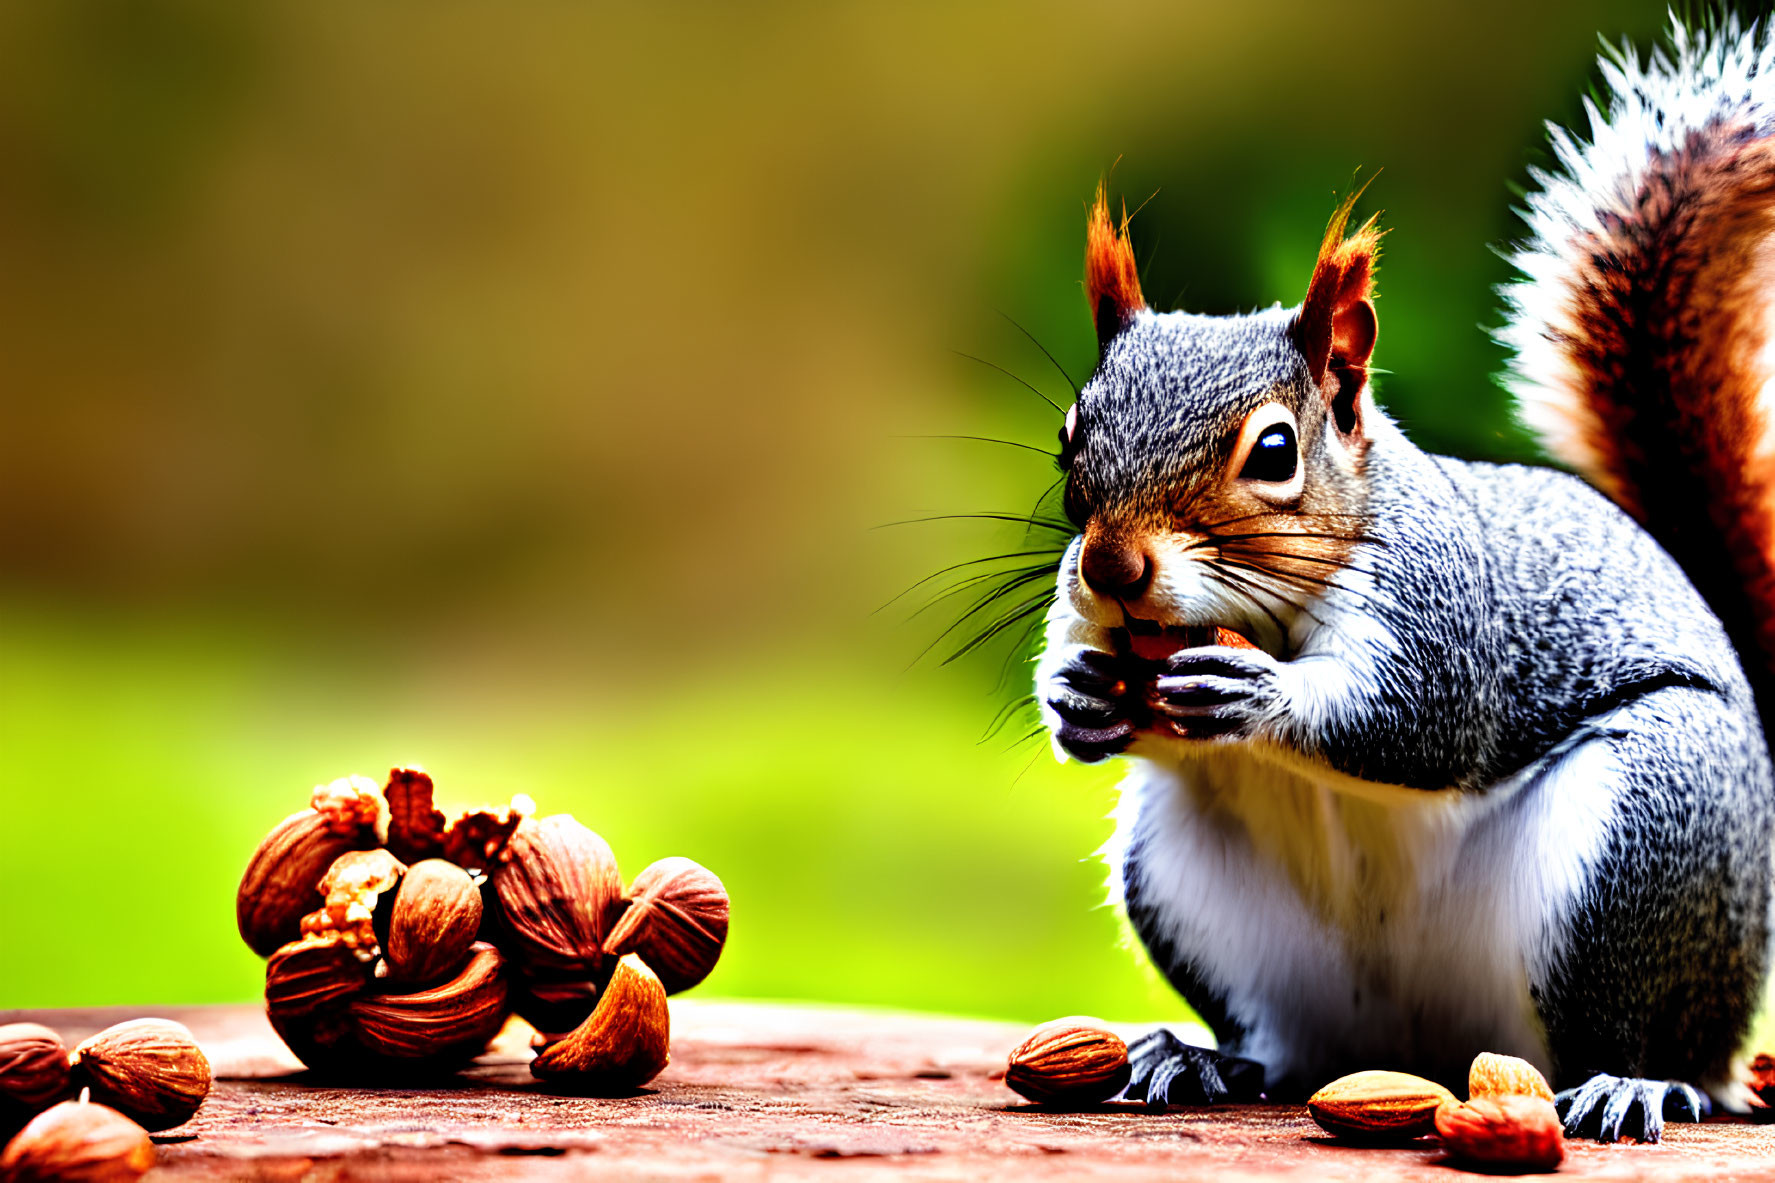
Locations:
(1642, 327)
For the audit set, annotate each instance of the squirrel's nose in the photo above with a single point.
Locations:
(1114, 567)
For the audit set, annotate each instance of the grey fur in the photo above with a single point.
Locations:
(1525, 607)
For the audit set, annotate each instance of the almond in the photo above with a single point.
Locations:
(1494, 1075)
(1511, 1130)
(623, 1044)
(1071, 1061)
(149, 1070)
(33, 1071)
(78, 1142)
(1375, 1106)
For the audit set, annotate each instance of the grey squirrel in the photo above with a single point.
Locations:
(1429, 757)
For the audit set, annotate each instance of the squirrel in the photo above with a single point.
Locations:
(1429, 757)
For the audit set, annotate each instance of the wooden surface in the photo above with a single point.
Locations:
(768, 1092)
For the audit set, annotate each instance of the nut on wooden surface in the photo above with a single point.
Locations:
(676, 920)
(150, 1070)
(1378, 1106)
(33, 1070)
(1507, 1131)
(1071, 1061)
(624, 1043)
(78, 1142)
(1495, 1075)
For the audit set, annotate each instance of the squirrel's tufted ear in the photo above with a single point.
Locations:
(1335, 329)
(1112, 282)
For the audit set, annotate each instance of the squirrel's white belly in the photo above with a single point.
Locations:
(1352, 925)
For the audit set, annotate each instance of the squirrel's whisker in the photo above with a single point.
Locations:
(1074, 386)
(1021, 381)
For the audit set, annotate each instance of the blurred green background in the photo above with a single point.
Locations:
(514, 389)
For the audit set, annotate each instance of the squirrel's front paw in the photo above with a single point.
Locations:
(1215, 692)
(1168, 1071)
(1609, 1108)
(1089, 693)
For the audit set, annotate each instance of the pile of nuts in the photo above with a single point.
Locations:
(399, 943)
(1508, 1121)
(147, 1074)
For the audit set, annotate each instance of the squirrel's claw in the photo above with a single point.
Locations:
(1168, 1071)
(1609, 1108)
(1091, 744)
(1210, 692)
(1088, 695)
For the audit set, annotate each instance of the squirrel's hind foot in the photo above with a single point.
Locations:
(1609, 1108)
(1168, 1071)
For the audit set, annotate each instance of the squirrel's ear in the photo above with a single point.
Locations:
(1112, 282)
(1335, 328)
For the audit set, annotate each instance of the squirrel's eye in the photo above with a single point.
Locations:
(1273, 457)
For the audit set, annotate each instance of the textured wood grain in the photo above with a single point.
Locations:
(758, 1092)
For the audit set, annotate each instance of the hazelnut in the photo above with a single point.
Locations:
(78, 1142)
(1512, 1131)
(557, 886)
(281, 883)
(1069, 1061)
(33, 1070)
(436, 915)
(150, 1070)
(1378, 1106)
(451, 1021)
(625, 1042)
(676, 920)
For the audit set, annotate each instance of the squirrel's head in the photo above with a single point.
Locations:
(1214, 463)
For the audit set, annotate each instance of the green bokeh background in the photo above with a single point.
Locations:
(515, 389)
